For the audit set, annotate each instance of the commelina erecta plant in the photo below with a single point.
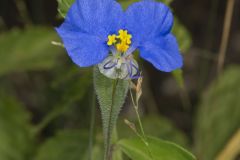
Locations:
(100, 32)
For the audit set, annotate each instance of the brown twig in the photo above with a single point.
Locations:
(225, 35)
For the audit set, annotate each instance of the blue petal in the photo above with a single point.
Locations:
(148, 19)
(163, 53)
(96, 17)
(84, 49)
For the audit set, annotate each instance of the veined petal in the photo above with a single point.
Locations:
(163, 53)
(84, 49)
(97, 17)
(148, 19)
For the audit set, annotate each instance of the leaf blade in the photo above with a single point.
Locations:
(15, 129)
(218, 114)
(17, 55)
(63, 6)
(161, 150)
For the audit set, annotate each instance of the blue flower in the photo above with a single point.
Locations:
(99, 32)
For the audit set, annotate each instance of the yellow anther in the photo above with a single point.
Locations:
(111, 39)
(121, 41)
(124, 36)
(122, 47)
(127, 41)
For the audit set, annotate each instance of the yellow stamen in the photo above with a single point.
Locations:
(124, 36)
(111, 39)
(122, 47)
(121, 41)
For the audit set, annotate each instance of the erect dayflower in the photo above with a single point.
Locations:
(99, 32)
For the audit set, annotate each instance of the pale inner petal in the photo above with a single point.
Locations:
(121, 68)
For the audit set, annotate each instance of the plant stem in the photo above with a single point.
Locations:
(140, 123)
(115, 152)
(50, 117)
(143, 137)
(92, 124)
(225, 35)
(107, 155)
(22, 8)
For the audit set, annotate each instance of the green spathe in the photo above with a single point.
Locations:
(111, 95)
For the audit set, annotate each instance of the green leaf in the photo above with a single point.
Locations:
(167, 132)
(178, 75)
(218, 116)
(66, 145)
(63, 6)
(182, 35)
(161, 150)
(16, 141)
(74, 84)
(73, 88)
(69, 145)
(185, 41)
(27, 50)
(126, 3)
(111, 96)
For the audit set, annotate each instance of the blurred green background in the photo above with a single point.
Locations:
(45, 100)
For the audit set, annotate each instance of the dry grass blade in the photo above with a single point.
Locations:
(232, 148)
(225, 35)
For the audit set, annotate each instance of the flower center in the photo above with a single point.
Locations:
(120, 64)
(122, 41)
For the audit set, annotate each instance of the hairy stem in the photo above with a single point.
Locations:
(92, 123)
(107, 155)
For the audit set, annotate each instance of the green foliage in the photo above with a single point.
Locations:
(66, 145)
(166, 131)
(27, 50)
(111, 95)
(185, 41)
(219, 114)
(126, 3)
(15, 131)
(73, 87)
(63, 6)
(161, 150)
(178, 75)
(182, 35)
(74, 84)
